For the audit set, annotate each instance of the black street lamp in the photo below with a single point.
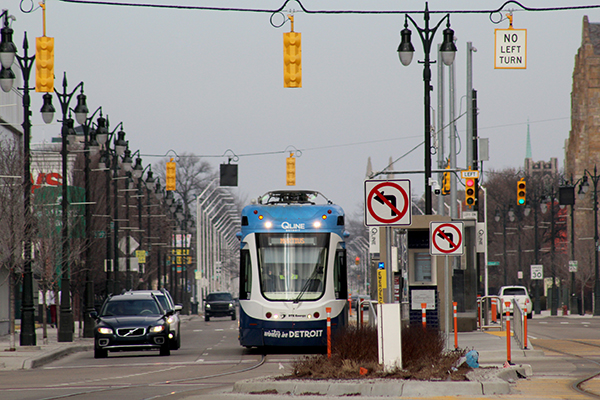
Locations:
(109, 162)
(584, 187)
(65, 329)
(503, 214)
(405, 52)
(90, 147)
(8, 52)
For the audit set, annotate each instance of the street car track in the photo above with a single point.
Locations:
(91, 389)
(576, 385)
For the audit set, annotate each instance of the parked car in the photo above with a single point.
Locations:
(508, 293)
(132, 321)
(166, 301)
(219, 304)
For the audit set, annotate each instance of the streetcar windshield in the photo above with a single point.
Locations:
(292, 266)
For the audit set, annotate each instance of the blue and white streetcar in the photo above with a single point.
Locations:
(292, 269)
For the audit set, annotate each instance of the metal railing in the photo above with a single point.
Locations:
(519, 324)
(489, 308)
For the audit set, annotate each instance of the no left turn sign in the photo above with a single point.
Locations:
(387, 203)
(446, 238)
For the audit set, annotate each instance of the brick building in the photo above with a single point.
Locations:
(582, 148)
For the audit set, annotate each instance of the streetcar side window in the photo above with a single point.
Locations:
(245, 275)
(339, 274)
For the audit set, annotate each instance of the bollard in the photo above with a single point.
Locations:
(454, 304)
(478, 310)
(494, 319)
(361, 312)
(350, 303)
(507, 332)
(424, 315)
(328, 310)
(525, 328)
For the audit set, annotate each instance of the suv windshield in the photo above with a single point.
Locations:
(219, 297)
(131, 307)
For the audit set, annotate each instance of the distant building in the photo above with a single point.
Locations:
(541, 167)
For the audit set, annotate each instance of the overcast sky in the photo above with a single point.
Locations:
(207, 82)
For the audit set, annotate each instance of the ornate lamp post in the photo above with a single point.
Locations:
(109, 162)
(65, 329)
(584, 187)
(91, 147)
(405, 52)
(8, 52)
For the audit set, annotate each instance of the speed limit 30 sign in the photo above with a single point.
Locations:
(537, 271)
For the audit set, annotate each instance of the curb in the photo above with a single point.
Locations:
(498, 383)
(55, 354)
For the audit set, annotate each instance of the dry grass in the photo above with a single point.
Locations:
(424, 357)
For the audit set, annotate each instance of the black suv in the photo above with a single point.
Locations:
(219, 304)
(131, 322)
(166, 301)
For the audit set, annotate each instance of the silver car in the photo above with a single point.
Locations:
(166, 302)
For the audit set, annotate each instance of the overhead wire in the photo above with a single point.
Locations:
(308, 11)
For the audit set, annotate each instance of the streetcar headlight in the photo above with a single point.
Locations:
(317, 224)
(268, 224)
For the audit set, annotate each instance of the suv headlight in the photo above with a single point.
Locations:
(157, 329)
(230, 305)
(105, 331)
(208, 307)
(170, 320)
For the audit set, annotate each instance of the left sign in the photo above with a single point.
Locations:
(387, 203)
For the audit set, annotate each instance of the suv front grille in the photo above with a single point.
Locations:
(131, 332)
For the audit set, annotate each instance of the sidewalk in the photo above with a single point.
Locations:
(28, 357)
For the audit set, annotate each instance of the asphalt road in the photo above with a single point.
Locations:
(211, 360)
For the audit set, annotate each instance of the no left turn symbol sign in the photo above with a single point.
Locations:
(387, 203)
(446, 238)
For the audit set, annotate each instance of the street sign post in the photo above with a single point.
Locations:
(387, 203)
(537, 272)
(446, 239)
(510, 49)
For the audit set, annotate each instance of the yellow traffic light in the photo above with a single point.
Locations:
(446, 181)
(290, 164)
(44, 64)
(470, 189)
(292, 59)
(521, 192)
(171, 176)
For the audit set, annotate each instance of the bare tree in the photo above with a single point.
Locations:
(11, 217)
